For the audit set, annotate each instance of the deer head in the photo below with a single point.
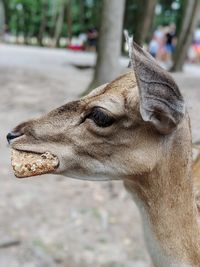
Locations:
(135, 128)
(113, 132)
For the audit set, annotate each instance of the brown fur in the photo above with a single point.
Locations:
(148, 146)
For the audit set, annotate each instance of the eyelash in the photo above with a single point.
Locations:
(100, 118)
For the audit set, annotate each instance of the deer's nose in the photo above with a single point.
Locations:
(12, 135)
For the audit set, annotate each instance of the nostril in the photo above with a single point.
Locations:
(13, 135)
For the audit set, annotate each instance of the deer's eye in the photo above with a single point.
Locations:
(100, 118)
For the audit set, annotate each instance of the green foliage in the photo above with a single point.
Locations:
(38, 18)
(167, 11)
(25, 17)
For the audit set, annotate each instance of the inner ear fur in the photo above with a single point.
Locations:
(161, 102)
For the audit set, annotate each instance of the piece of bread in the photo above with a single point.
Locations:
(26, 164)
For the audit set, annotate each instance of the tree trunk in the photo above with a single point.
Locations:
(59, 23)
(109, 46)
(43, 23)
(69, 20)
(2, 20)
(54, 12)
(191, 18)
(6, 11)
(81, 12)
(146, 12)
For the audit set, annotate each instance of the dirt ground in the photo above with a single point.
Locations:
(53, 221)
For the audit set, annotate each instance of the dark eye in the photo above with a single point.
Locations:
(101, 118)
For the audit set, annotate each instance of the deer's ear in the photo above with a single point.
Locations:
(161, 102)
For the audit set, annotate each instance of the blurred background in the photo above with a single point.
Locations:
(53, 51)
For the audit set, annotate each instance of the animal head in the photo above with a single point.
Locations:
(115, 131)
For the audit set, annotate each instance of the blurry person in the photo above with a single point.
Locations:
(192, 55)
(154, 46)
(171, 41)
(159, 35)
(92, 36)
(196, 44)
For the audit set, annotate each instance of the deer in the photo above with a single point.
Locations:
(135, 129)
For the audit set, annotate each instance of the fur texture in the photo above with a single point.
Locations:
(148, 146)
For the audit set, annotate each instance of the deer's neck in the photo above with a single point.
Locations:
(170, 219)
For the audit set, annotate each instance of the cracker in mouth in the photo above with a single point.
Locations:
(27, 164)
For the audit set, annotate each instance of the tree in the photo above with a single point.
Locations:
(51, 18)
(190, 15)
(145, 15)
(69, 20)
(2, 19)
(109, 46)
(139, 19)
(43, 22)
(59, 23)
(6, 10)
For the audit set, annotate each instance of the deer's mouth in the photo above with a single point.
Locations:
(27, 164)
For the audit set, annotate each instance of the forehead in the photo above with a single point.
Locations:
(115, 95)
